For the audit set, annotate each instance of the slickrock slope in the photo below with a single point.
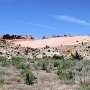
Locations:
(52, 42)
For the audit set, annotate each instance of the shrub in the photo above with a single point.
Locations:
(28, 76)
(26, 72)
(47, 46)
(76, 56)
(67, 63)
(2, 72)
(2, 59)
(56, 63)
(44, 65)
(32, 49)
(49, 50)
(70, 75)
(50, 67)
(38, 65)
(46, 57)
(4, 62)
(1, 53)
(15, 61)
(65, 75)
(84, 87)
(26, 51)
(22, 66)
(57, 57)
(61, 73)
(18, 62)
(2, 81)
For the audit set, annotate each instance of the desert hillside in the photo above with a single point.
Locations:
(52, 42)
(57, 63)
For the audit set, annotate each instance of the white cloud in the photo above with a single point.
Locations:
(34, 24)
(72, 19)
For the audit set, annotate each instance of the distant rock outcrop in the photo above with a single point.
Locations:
(56, 36)
(8, 36)
(44, 37)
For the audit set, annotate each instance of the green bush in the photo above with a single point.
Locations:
(57, 57)
(2, 72)
(67, 63)
(2, 59)
(28, 76)
(60, 73)
(26, 72)
(68, 75)
(56, 63)
(38, 65)
(64, 70)
(22, 66)
(84, 87)
(18, 62)
(44, 65)
(4, 62)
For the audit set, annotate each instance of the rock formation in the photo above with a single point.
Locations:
(8, 36)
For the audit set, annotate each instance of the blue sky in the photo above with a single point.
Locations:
(45, 17)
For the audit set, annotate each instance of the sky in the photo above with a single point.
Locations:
(45, 17)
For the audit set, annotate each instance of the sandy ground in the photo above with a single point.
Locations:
(53, 42)
(45, 81)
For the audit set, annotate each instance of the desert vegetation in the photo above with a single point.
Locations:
(69, 71)
(62, 67)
